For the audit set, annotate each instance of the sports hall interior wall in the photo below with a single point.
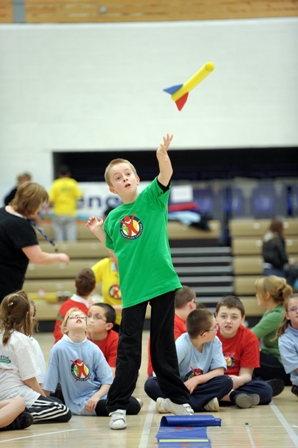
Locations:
(82, 93)
(95, 87)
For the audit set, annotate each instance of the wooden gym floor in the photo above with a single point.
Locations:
(272, 426)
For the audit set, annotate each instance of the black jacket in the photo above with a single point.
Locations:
(274, 251)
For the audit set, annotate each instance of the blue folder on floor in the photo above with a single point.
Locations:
(184, 430)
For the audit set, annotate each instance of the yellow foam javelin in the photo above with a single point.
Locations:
(194, 81)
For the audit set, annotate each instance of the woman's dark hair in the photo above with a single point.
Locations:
(276, 226)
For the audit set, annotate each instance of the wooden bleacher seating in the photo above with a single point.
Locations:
(45, 284)
(252, 309)
(176, 230)
(76, 11)
(79, 249)
(6, 11)
(245, 285)
(248, 265)
(257, 227)
(246, 241)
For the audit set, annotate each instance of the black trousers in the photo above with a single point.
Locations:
(270, 368)
(219, 386)
(49, 410)
(162, 347)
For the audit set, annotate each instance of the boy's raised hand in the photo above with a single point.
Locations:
(94, 224)
(163, 147)
(96, 227)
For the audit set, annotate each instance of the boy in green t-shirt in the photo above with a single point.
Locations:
(137, 232)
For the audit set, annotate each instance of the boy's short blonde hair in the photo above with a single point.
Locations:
(116, 162)
(69, 312)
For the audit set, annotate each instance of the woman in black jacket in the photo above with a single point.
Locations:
(274, 252)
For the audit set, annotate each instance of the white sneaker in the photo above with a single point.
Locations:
(212, 406)
(118, 419)
(161, 407)
(245, 401)
(165, 405)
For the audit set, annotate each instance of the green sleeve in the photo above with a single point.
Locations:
(268, 324)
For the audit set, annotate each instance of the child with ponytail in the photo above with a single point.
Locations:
(19, 364)
(271, 293)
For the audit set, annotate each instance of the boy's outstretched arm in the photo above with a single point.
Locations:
(165, 165)
(96, 227)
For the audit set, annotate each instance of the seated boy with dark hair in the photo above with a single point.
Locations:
(101, 319)
(241, 350)
(201, 365)
(100, 322)
(185, 302)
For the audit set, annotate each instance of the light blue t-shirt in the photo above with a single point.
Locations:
(192, 362)
(288, 348)
(81, 369)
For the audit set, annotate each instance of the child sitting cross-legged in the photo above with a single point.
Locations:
(287, 334)
(241, 350)
(201, 365)
(185, 302)
(80, 367)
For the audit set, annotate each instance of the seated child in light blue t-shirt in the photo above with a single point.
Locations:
(287, 334)
(80, 367)
(201, 365)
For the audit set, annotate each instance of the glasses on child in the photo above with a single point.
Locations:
(293, 309)
(96, 317)
(77, 317)
(213, 329)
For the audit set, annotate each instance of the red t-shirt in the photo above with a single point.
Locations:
(69, 303)
(179, 329)
(242, 350)
(109, 347)
(179, 326)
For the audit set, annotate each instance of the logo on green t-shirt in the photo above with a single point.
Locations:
(131, 227)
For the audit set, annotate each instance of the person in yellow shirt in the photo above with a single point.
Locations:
(63, 196)
(106, 272)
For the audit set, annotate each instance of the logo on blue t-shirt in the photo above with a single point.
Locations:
(131, 227)
(193, 372)
(79, 371)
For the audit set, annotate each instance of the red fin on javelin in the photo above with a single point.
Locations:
(181, 101)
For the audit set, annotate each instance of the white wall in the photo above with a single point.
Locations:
(93, 87)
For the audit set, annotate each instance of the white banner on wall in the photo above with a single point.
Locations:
(98, 198)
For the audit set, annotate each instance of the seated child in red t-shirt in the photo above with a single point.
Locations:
(185, 302)
(100, 321)
(85, 284)
(240, 347)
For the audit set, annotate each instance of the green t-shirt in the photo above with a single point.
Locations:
(266, 329)
(137, 233)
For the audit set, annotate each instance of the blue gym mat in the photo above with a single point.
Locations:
(185, 431)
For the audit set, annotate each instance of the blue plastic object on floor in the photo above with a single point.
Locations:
(185, 431)
(197, 420)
